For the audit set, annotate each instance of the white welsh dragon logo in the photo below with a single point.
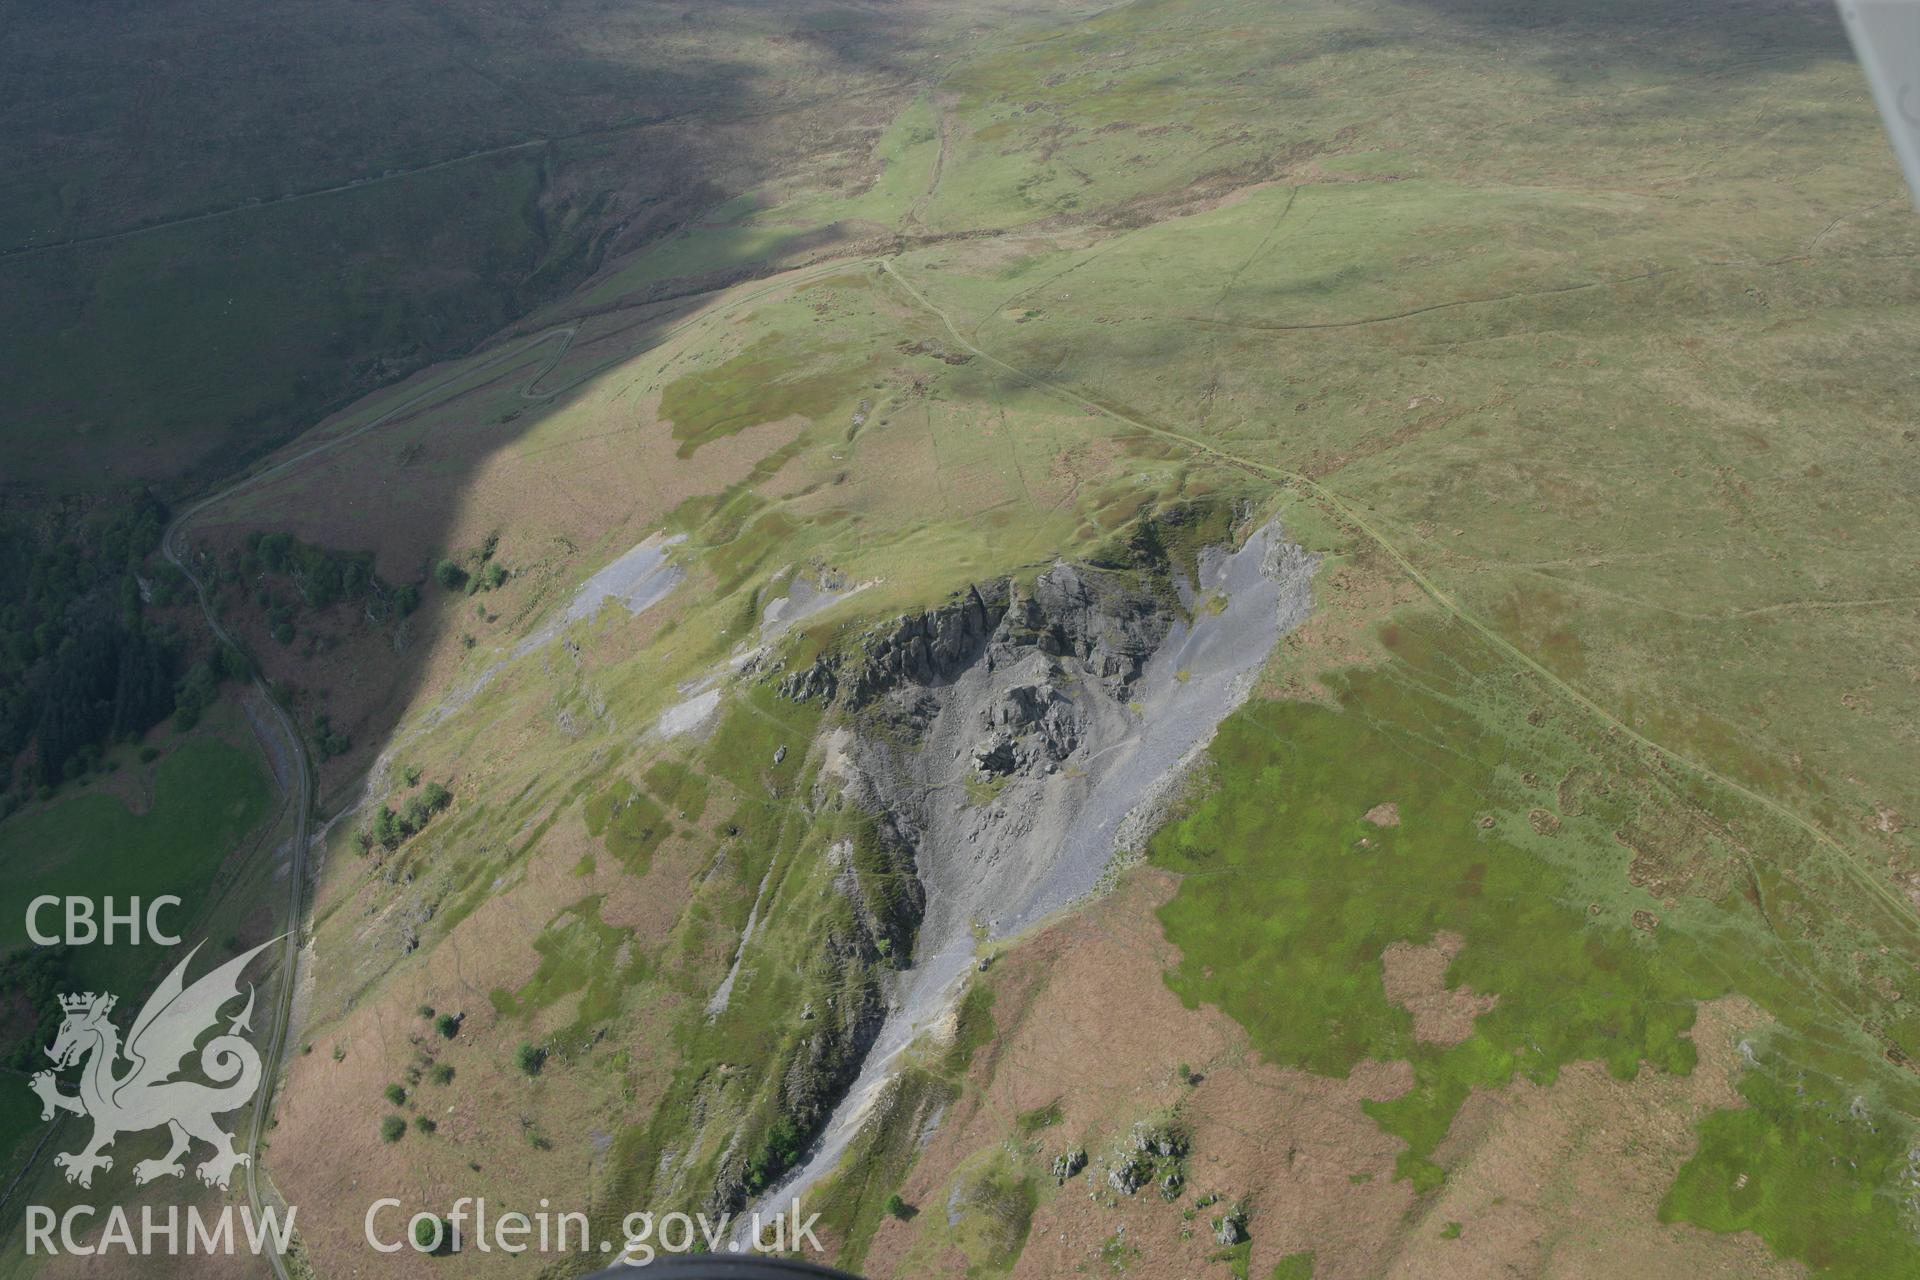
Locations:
(145, 1096)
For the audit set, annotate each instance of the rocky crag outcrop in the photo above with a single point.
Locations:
(1005, 669)
(1009, 739)
(1108, 622)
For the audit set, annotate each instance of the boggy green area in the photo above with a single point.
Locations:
(759, 385)
(1816, 1179)
(1290, 895)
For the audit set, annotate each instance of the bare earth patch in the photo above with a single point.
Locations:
(1562, 1180)
(1415, 978)
(1384, 815)
(1087, 1019)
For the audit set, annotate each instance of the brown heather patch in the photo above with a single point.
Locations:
(1415, 978)
(1086, 1018)
(327, 1151)
(649, 905)
(1352, 594)
(1561, 1180)
(1565, 1179)
(1083, 461)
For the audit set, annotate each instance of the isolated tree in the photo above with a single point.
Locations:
(433, 1236)
(414, 814)
(386, 827)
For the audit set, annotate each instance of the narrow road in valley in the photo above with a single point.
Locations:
(1863, 873)
(173, 545)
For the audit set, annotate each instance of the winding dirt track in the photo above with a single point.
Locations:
(1849, 860)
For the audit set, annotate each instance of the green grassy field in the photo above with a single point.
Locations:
(207, 796)
(208, 799)
(1289, 897)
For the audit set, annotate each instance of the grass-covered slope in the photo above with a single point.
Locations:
(1574, 341)
(593, 883)
(193, 807)
(1612, 354)
(1600, 894)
